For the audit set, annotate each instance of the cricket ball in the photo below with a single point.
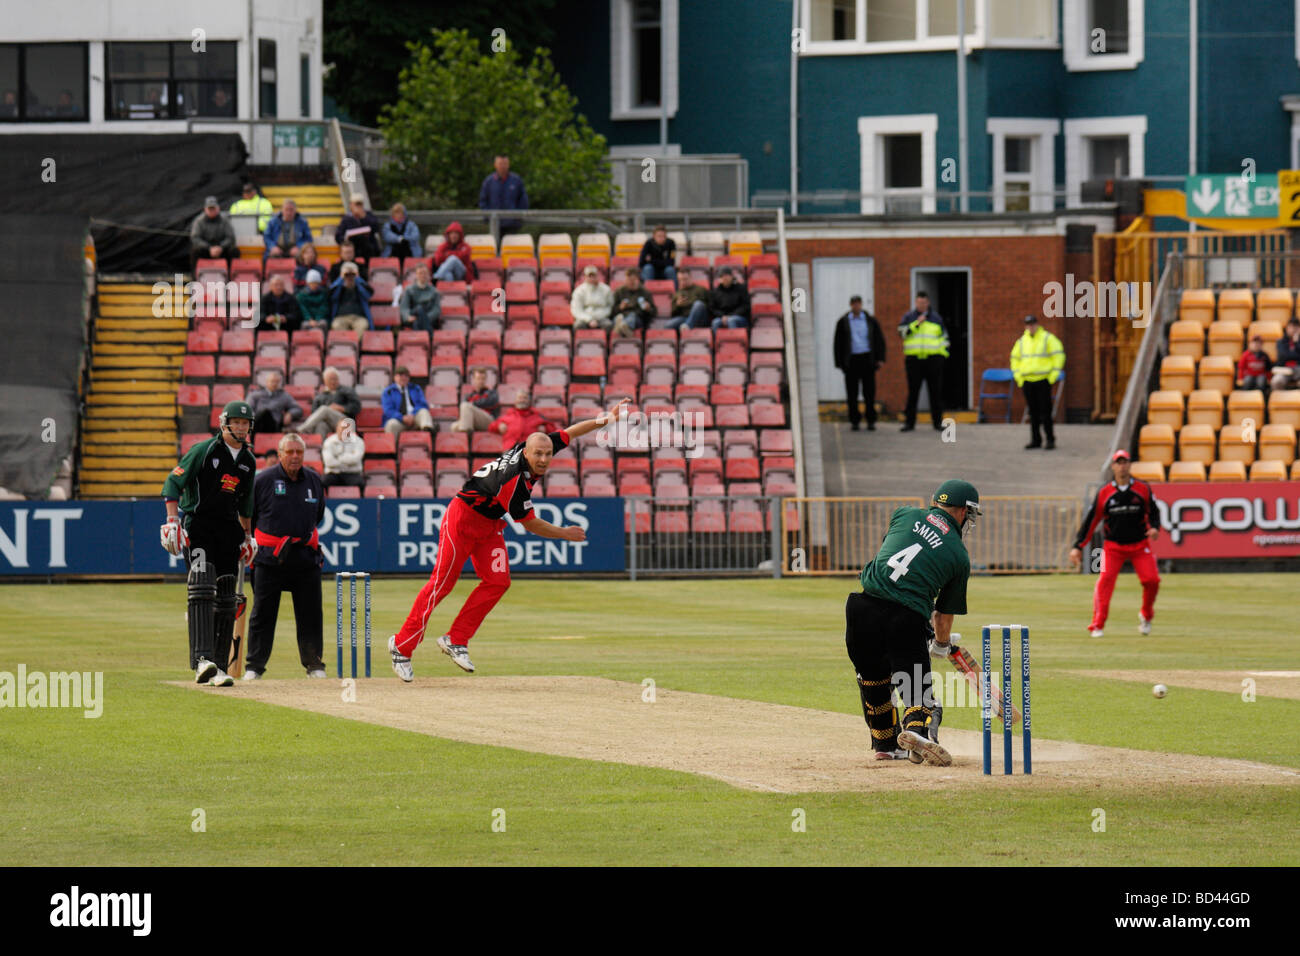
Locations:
(1160, 690)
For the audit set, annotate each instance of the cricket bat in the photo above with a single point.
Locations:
(965, 664)
(235, 667)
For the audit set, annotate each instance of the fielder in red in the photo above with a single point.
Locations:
(473, 529)
(1131, 525)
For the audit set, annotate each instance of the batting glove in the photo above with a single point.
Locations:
(940, 651)
(174, 538)
(248, 551)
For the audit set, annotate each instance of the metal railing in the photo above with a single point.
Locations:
(739, 534)
(607, 221)
(299, 142)
(681, 182)
(909, 203)
(835, 535)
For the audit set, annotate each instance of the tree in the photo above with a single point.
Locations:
(458, 107)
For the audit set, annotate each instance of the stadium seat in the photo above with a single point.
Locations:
(1284, 408)
(1166, 408)
(1218, 372)
(1205, 407)
(628, 244)
(1156, 443)
(1177, 374)
(1228, 471)
(1185, 471)
(234, 369)
(1237, 444)
(481, 246)
(1195, 443)
(708, 244)
(1148, 470)
(343, 491)
(1236, 305)
(1243, 405)
(1198, 306)
(1226, 339)
(1277, 442)
(1274, 305)
(1268, 471)
(199, 369)
(594, 245)
(1295, 470)
(1187, 337)
(1269, 331)
(370, 419)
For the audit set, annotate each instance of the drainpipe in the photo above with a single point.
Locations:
(796, 42)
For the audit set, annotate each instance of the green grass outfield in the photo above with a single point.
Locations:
(281, 786)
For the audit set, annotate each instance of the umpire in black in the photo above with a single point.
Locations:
(859, 353)
(288, 504)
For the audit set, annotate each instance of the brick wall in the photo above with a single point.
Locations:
(1007, 278)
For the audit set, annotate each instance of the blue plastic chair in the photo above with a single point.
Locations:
(996, 376)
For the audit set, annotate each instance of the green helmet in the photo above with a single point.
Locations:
(956, 493)
(237, 409)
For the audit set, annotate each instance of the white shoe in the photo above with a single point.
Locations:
(930, 751)
(221, 679)
(1144, 625)
(250, 674)
(458, 653)
(203, 673)
(401, 664)
(316, 673)
(893, 755)
(1096, 632)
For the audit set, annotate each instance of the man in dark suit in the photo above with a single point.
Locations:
(859, 352)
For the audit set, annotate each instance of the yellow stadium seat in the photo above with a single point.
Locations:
(1268, 471)
(1166, 408)
(1187, 471)
(555, 245)
(1226, 339)
(1198, 306)
(516, 246)
(594, 245)
(1295, 470)
(745, 244)
(1148, 470)
(681, 242)
(1228, 471)
(1187, 338)
(629, 244)
(1274, 305)
(482, 246)
(1237, 443)
(1270, 332)
(1156, 443)
(1246, 404)
(1277, 443)
(1196, 443)
(1218, 372)
(1177, 373)
(1284, 408)
(1237, 305)
(1205, 407)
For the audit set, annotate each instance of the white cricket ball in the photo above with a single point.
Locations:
(1160, 690)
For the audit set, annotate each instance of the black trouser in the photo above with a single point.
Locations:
(356, 479)
(267, 423)
(887, 644)
(302, 580)
(861, 371)
(227, 253)
(423, 319)
(929, 370)
(1038, 399)
(217, 541)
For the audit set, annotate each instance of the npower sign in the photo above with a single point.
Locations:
(1229, 519)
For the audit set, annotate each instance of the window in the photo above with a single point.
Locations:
(1103, 34)
(1024, 164)
(304, 86)
(266, 79)
(943, 18)
(833, 20)
(169, 80)
(1022, 20)
(643, 39)
(1103, 148)
(898, 165)
(43, 82)
(867, 26)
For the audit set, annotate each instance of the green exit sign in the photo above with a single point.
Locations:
(1232, 196)
(288, 137)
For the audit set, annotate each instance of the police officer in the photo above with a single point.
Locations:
(209, 500)
(925, 347)
(288, 504)
(1037, 361)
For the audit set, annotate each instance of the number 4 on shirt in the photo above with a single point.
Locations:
(901, 560)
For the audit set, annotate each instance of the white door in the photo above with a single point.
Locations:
(834, 281)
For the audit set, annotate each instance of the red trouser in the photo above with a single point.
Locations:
(464, 534)
(1113, 558)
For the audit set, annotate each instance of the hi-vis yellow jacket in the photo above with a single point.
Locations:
(1037, 357)
(923, 338)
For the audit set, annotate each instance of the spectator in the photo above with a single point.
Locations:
(9, 105)
(859, 349)
(269, 460)
(348, 253)
(517, 423)
(405, 405)
(279, 308)
(1038, 362)
(66, 106)
(633, 306)
(503, 190)
(252, 204)
(421, 305)
(659, 257)
(314, 302)
(273, 408)
(925, 351)
(592, 301)
(286, 232)
(453, 260)
(343, 454)
(1286, 371)
(307, 261)
(1253, 367)
(211, 234)
(361, 228)
(401, 236)
(222, 104)
(350, 301)
(333, 402)
(690, 305)
(729, 302)
(480, 407)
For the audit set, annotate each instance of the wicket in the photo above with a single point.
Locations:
(338, 599)
(986, 696)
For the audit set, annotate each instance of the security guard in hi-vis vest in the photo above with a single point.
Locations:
(1038, 362)
(209, 499)
(917, 579)
(925, 349)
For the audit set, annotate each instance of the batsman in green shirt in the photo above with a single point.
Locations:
(916, 580)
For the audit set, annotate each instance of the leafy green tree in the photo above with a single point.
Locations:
(458, 107)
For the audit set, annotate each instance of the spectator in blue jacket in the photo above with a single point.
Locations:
(503, 190)
(404, 405)
(286, 232)
(401, 236)
(350, 301)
